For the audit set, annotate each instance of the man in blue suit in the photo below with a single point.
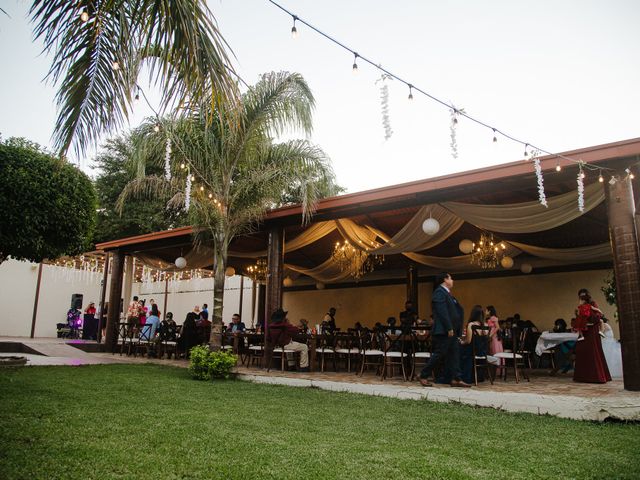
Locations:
(445, 336)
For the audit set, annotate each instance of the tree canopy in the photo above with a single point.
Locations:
(48, 205)
(116, 165)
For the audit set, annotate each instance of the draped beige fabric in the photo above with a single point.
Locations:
(411, 238)
(568, 255)
(528, 217)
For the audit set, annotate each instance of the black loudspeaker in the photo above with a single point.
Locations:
(76, 301)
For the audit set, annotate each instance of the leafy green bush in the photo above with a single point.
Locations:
(207, 365)
(48, 205)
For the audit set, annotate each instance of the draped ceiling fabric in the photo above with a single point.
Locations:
(523, 217)
(528, 217)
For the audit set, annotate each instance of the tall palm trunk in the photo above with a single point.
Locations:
(219, 265)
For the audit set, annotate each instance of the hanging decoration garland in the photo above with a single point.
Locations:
(580, 189)
(167, 160)
(452, 132)
(384, 105)
(541, 195)
(187, 193)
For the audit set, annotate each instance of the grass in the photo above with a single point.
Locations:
(154, 422)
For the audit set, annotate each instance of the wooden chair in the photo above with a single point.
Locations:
(278, 349)
(347, 348)
(327, 348)
(255, 350)
(397, 350)
(145, 340)
(420, 351)
(371, 353)
(125, 338)
(480, 341)
(515, 358)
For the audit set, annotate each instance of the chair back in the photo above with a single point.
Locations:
(398, 343)
(520, 340)
(480, 340)
(327, 341)
(145, 332)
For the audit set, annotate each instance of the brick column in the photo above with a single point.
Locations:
(412, 285)
(626, 263)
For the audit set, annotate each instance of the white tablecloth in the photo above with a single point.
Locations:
(550, 339)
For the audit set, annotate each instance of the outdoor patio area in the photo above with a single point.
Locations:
(543, 394)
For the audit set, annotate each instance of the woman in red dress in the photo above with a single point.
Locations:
(591, 366)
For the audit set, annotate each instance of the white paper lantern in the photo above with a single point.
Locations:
(466, 246)
(506, 262)
(230, 271)
(181, 262)
(320, 286)
(430, 226)
(287, 282)
(526, 268)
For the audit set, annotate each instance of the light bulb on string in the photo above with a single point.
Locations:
(294, 30)
(115, 66)
(156, 128)
(211, 195)
(630, 173)
(582, 175)
(558, 167)
(84, 16)
(193, 178)
(182, 166)
(354, 68)
(601, 178)
(201, 188)
(526, 153)
(410, 92)
(495, 138)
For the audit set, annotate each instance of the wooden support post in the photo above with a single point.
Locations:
(626, 263)
(35, 301)
(115, 300)
(103, 295)
(412, 285)
(166, 294)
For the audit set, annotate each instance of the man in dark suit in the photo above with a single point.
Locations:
(447, 327)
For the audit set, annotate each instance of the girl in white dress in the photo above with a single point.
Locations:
(611, 349)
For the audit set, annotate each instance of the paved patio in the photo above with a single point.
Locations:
(543, 395)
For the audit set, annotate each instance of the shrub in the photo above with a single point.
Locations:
(207, 365)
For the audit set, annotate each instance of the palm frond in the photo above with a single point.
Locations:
(147, 187)
(180, 37)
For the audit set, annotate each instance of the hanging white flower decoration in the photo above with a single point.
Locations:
(452, 131)
(167, 160)
(384, 105)
(580, 191)
(187, 193)
(541, 195)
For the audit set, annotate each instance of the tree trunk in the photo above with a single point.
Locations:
(219, 265)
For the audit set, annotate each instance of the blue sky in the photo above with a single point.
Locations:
(560, 74)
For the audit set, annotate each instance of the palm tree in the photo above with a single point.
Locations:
(100, 46)
(239, 171)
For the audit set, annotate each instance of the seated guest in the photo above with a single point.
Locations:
(204, 314)
(358, 327)
(559, 326)
(281, 333)
(154, 320)
(469, 342)
(562, 353)
(303, 326)
(391, 326)
(236, 325)
(189, 333)
(167, 329)
(409, 316)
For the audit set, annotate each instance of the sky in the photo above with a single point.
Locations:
(560, 74)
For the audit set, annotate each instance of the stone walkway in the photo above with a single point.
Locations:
(543, 395)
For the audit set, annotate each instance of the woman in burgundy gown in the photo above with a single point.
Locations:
(590, 365)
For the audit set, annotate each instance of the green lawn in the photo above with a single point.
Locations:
(150, 421)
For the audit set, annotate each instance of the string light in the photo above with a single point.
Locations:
(558, 167)
(294, 30)
(526, 153)
(193, 178)
(410, 92)
(182, 166)
(115, 66)
(354, 68)
(630, 173)
(211, 195)
(582, 175)
(601, 178)
(84, 16)
(495, 138)
(156, 128)
(202, 189)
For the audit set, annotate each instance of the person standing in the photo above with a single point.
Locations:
(329, 320)
(448, 316)
(590, 364)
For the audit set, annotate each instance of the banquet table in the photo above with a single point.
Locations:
(549, 340)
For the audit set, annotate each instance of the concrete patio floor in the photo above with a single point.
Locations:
(543, 395)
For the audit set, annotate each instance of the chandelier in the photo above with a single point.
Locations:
(354, 261)
(488, 251)
(258, 272)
